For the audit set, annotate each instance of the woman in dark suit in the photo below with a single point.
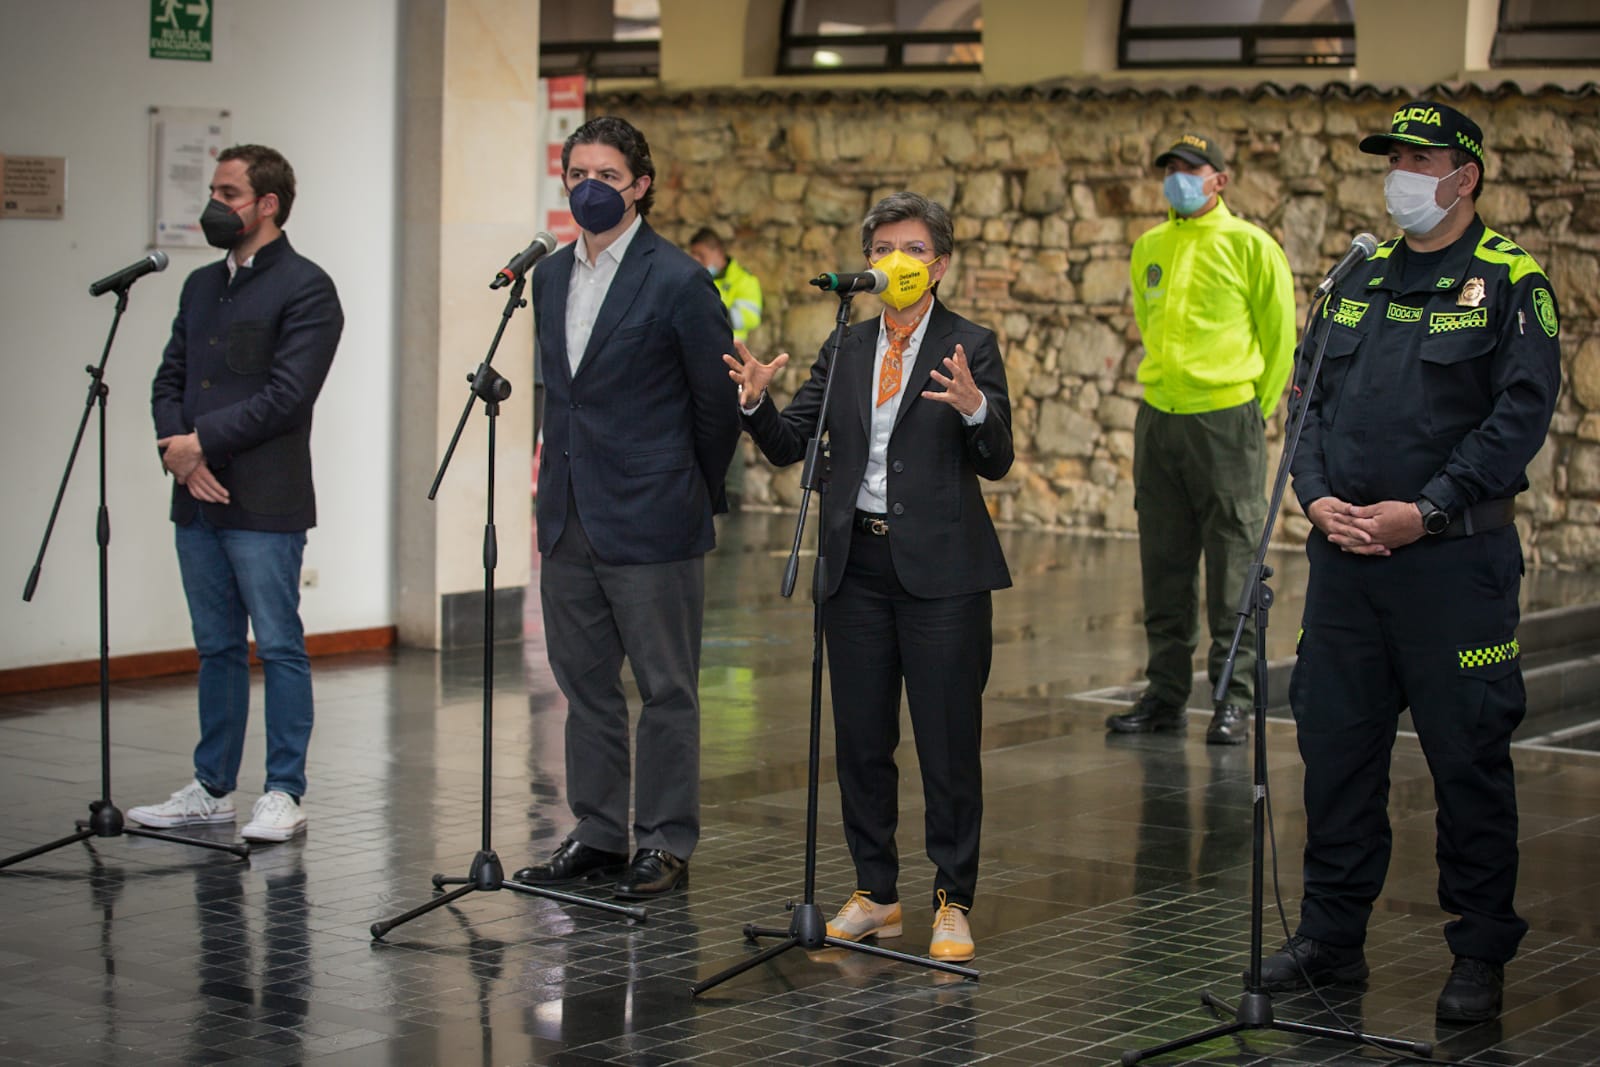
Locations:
(919, 413)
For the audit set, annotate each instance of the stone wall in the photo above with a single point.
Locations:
(1049, 188)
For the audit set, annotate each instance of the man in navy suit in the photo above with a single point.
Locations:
(251, 345)
(639, 429)
(919, 412)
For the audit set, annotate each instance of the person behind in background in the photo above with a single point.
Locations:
(741, 295)
(251, 344)
(1214, 301)
(1437, 387)
(918, 414)
(741, 290)
(639, 430)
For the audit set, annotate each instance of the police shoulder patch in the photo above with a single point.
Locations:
(1544, 309)
(1152, 276)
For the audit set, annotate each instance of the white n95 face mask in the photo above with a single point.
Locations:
(1409, 198)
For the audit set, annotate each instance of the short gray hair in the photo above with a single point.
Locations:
(904, 207)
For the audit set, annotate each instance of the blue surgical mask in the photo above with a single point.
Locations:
(595, 205)
(1185, 192)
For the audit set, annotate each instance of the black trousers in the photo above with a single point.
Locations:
(880, 638)
(1432, 628)
(596, 615)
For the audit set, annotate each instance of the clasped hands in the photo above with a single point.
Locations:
(752, 377)
(183, 456)
(1367, 529)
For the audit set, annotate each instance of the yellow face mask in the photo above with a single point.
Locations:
(908, 279)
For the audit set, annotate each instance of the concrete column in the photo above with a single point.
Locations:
(1038, 40)
(469, 163)
(718, 42)
(1421, 42)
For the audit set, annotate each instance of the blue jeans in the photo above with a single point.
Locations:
(231, 577)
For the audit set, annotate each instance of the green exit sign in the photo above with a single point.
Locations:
(180, 29)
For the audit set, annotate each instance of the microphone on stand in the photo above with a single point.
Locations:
(866, 281)
(1362, 246)
(543, 244)
(155, 261)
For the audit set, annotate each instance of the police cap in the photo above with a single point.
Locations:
(1431, 124)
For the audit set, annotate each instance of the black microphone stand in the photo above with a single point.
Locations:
(1254, 1011)
(486, 875)
(105, 818)
(807, 929)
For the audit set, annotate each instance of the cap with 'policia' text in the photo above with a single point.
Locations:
(1196, 149)
(1432, 125)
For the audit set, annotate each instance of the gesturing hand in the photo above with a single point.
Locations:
(750, 374)
(960, 391)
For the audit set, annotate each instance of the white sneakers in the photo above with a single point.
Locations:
(276, 816)
(189, 806)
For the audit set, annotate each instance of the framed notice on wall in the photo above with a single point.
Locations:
(184, 144)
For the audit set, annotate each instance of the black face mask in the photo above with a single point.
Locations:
(222, 225)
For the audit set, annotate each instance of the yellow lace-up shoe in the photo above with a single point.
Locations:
(860, 917)
(952, 937)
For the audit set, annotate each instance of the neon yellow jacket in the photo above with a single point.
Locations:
(741, 295)
(1214, 300)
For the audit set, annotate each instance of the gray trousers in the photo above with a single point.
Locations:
(595, 615)
(1199, 487)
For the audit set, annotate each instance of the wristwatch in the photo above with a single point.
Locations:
(1434, 521)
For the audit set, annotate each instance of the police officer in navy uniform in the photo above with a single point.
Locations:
(1436, 391)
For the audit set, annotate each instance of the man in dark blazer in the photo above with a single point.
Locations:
(639, 429)
(252, 342)
(918, 414)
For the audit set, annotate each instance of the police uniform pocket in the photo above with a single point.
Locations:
(250, 347)
(1489, 698)
(1337, 360)
(1455, 379)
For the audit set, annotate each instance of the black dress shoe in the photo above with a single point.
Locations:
(1472, 992)
(1229, 726)
(1321, 962)
(1146, 716)
(574, 861)
(653, 872)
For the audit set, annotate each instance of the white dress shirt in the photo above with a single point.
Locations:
(588, 288)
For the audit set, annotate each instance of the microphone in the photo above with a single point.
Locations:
(125, 277)
(1362, 246)
(866, 281)
(543, 244)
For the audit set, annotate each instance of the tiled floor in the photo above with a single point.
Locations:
(1115, 881)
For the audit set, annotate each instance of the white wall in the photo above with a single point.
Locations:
(314, 79)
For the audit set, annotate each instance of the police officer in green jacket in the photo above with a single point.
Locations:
(1438, 382)
(741, 290)
(741, 296)
(1214, 301)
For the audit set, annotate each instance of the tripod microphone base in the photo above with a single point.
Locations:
(106, 820)
(808, 931)
(1255, 1013)
(484, 876)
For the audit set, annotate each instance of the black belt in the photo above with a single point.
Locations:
(874, 523)
(1481, 517)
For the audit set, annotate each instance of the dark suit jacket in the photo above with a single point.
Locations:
(644, 432)
(243, 368)
(942, 541)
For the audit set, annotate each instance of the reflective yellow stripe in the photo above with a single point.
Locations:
(1489, 655)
